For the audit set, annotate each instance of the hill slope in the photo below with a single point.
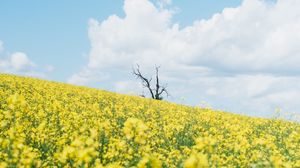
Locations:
(45, 124)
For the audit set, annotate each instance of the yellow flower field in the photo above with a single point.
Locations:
(49, 124)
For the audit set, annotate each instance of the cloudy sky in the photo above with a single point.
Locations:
(241, 56)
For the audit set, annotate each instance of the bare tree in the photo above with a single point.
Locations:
(158, 90)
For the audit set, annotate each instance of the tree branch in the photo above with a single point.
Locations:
(145, 81)
(157, 84)
(155, 92)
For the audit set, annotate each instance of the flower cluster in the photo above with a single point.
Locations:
(50, 124)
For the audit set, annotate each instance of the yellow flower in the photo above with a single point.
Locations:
(153, 162)
(198, 160)
(135, 129)
(48, 124)
(276, 161)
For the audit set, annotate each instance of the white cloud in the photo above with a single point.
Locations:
(49, 68)
(19, 63)
(1, 46)
(256, 95)
(129, 87)
(87, 76)
(252, 37)
(238, 54)
(162, 3)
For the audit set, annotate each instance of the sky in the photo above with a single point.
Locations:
(240, 56)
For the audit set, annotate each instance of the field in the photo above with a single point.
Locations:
(49, 124)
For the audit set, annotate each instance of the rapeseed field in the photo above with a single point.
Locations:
(50, 124)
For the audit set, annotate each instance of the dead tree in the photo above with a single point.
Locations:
(158, 90)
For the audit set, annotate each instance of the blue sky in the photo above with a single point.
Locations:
(53, 32)
(235, 55)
